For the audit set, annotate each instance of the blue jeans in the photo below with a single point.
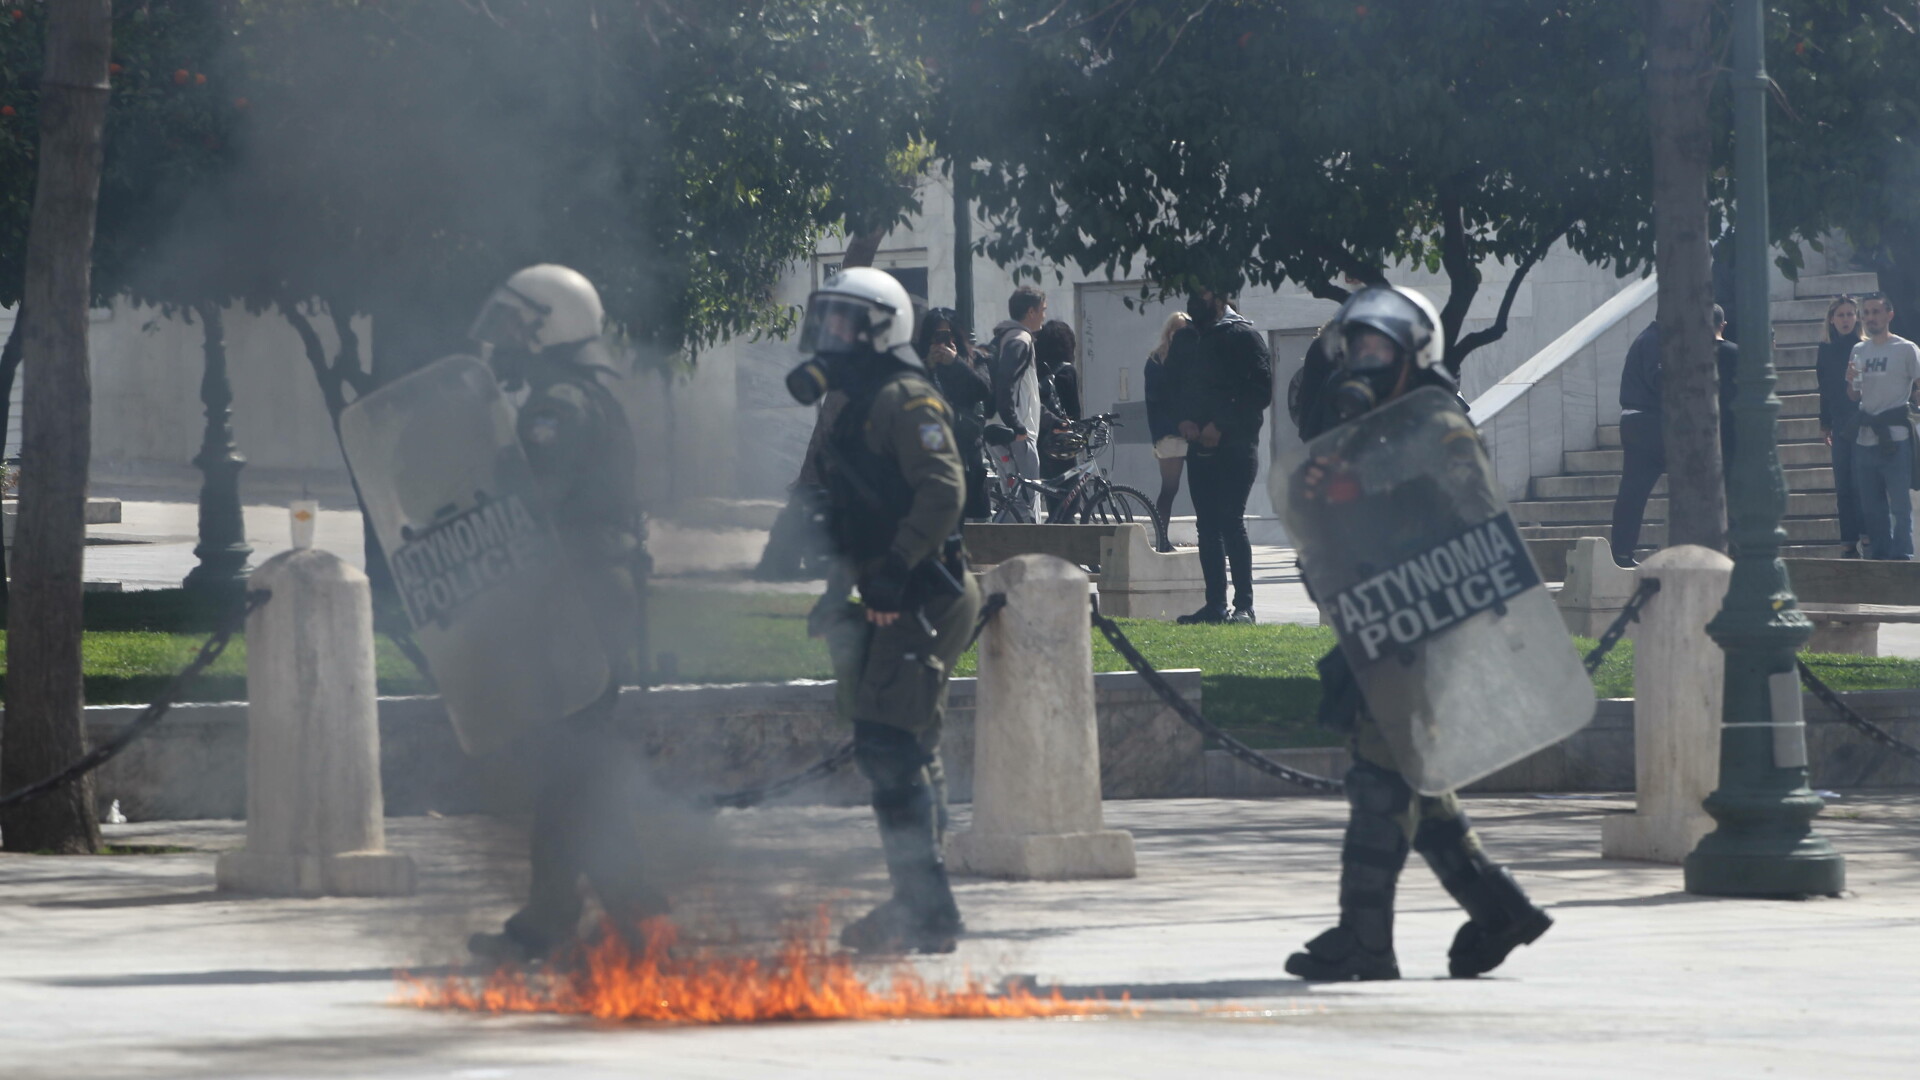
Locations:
(1882, 479)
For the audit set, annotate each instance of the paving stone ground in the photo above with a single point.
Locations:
(132, 966)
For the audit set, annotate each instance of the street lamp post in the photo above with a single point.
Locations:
(1764, 843)
(222, 550)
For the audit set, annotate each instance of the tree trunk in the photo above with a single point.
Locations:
(43, 731)
(1680, 73)
(9, 367)
(862, 247)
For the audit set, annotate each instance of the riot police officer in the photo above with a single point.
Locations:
(541, 332)
(1385, 344)
(896, 488)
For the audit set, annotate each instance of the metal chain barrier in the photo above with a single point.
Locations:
(1628, 614)
(1185, 710)
(210, 651)
(1871, 730)
(842, 754)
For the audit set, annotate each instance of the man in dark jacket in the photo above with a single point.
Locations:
(1224, 393)
(1644, 448)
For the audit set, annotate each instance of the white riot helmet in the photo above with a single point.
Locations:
(1407, 318)
(860, 306)
(540, 308)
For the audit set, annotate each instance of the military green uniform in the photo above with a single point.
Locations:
(896, 489)
(580, 446)
(1388, 818)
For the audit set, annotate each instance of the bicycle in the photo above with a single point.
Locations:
(1083, 494)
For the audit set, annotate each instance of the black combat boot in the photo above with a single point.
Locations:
(921, 916)
(1500, 917)
(1361, 947)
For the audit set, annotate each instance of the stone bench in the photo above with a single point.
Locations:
(1846, 599)
(99, 512)
(1134, 580)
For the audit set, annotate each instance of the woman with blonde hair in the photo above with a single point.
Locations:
(1840, 417)
(1163, 370)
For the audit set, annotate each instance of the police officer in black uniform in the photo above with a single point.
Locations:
(896, 488)
(1385, 344)
(541, 332)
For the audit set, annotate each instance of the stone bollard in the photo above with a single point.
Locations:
(1677, 678)
(1596, 589)
(315, 822)
(1036, 751)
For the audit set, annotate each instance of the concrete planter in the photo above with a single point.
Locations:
(704, 739)
(721, 738)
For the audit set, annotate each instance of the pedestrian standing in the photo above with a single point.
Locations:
(941, 345)
(1224, 394)
(1163, 422)
(1644, 448)
(1016, 381)
(1053, 349)
(1881, 376)
(1840, 417)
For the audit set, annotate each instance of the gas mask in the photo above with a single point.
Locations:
(817, 374)
(838, 331)
(1371, 367)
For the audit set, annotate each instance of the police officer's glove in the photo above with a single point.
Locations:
(885, 589)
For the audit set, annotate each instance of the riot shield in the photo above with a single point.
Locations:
(477, 565)
(1408, 547)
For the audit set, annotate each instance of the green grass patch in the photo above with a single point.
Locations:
(1258, 682)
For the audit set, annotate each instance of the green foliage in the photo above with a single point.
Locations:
(1844, 139)
(402, 159)
(1319, 141)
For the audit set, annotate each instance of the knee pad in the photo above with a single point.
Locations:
(891, 759)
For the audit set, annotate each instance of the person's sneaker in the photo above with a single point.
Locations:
(1477, 950)
(1625, 562)
(1338, 956)
(1242, 615)
(1206, 616)
(892, 929)
(1850, 551)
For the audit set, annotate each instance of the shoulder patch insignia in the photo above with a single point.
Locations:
(929, 400)
(933, 436)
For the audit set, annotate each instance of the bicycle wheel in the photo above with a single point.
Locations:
(1123, 503)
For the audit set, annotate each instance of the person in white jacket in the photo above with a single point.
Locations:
(1016, 380)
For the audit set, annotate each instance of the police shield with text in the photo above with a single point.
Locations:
(517, 546)
(1453, 660)
(896, 489)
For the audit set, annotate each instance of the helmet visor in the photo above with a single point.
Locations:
(836, 324)
(503, 323)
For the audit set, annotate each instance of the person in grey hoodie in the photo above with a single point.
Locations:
(1016, 378)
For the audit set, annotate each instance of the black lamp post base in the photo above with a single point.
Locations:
(220, 572)
(1766, 850)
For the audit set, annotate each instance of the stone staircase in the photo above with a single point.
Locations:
(1579, 502)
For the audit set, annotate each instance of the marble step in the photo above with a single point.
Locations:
(1795, 357)
(1800, 333)
(1799, 310)
(1827, 286)
(1593, 511)
(1654, 533)
(1607, 485)
(1788, 432)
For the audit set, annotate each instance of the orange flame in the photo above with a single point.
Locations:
(804, 980)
